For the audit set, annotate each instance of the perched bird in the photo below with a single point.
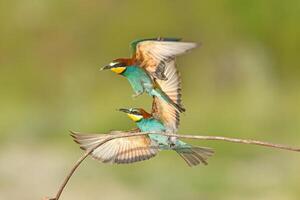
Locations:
(155, 56)
(127, 150)
(147, 123)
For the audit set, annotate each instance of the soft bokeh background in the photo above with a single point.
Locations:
(244, 81)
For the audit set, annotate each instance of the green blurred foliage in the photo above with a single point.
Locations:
(242, 82)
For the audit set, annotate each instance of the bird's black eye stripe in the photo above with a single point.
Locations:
(135, 112)
(119, 65)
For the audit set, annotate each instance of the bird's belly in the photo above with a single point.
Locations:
(161, 140)
(150, 126)
(136, 85)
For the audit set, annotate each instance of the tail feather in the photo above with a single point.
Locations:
(195, 155)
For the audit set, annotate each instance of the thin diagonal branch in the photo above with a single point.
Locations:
(237, 140)
(196, 137)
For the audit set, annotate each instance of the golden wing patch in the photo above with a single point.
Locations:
(153, 55)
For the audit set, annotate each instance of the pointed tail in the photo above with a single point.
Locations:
(195, 155)
(160, 94)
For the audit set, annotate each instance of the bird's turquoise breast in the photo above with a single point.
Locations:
(138, 78)
(153, 125)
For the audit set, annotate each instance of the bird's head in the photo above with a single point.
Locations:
(118, 65)
(136, 114)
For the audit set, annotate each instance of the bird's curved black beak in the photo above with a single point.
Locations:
(125, 110)
(105, 67)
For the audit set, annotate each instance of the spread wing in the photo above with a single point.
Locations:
(119, 150)
(153, 54)
(172, 87)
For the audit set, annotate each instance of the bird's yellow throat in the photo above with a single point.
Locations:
(135, 117)
(118, 70)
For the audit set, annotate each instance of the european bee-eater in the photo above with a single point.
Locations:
(141, 82)
(155, 56)
(146, 123)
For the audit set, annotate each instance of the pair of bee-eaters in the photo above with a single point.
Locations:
(151, 69)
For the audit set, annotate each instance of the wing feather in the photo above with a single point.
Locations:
(153, 54)
(172, 87)
(119, 150)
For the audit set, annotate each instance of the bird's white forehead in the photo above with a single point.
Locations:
(112, 63)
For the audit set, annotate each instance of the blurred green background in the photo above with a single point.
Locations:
(242, 82)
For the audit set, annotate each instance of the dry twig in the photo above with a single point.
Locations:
(197, 137)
